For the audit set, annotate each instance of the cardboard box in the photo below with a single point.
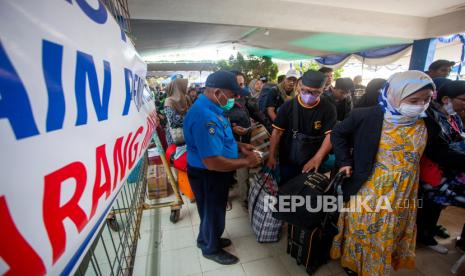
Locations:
(154, 157)
(157, 182)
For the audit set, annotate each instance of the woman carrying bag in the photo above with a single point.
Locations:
(176, 105)
(387, 141)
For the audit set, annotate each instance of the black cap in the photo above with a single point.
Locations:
(345, 84)
(451, 89)
(226, 80)
(314, 79)
(440, 81)
(264, 78)
(440, 63)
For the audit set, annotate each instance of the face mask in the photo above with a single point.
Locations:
(228, 105)
(449, 108)
(412, 110)
(309, 98)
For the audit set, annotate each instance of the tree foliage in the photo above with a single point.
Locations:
(253, 67)
(313, 65)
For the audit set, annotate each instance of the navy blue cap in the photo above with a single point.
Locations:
(314, 79)
(225, 80)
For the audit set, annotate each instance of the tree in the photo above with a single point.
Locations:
(253, 67)
(313, 65)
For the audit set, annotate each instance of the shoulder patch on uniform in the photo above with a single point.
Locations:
(211, 130)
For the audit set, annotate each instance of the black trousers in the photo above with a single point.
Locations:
(211, 194)
(427, 219)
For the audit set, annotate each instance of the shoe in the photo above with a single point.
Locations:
(222, 257)
(439, 248)
(441, 232)
(223, 243)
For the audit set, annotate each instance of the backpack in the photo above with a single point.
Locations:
(264, 94)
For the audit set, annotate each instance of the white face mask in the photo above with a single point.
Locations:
(449, 108)
(412, 110)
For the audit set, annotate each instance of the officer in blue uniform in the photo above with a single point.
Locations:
(212, 157)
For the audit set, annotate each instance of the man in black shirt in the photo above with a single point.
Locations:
(306, 115)
(340, 97)
(282, 92)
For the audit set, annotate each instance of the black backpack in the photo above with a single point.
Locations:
(264, 94)
(310, 186)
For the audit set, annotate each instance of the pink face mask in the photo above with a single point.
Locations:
(309, 98)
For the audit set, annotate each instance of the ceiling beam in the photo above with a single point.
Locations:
(284, 15)
(451, 23)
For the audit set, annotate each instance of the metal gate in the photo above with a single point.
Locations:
(113, 251)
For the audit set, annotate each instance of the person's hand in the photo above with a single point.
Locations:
(239, 130)
(245, 148)
(347, 170)
(271, 163)
(253, 159)
(312, 164)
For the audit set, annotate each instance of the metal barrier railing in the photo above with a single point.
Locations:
(114, 249)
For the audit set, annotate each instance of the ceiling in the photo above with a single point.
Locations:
(419, 8)
(289, 29)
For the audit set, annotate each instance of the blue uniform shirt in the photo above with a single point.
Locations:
(207, 133)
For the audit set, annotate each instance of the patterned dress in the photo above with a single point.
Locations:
(371, 242)
(174, 120)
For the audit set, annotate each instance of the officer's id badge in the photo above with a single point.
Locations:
(211, 127)
(317, 125)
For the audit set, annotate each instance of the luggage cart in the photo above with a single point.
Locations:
(178, 202)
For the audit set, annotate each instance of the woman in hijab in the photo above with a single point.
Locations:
(372, 91)
(255, 87)
(176, 105)
(380, 147)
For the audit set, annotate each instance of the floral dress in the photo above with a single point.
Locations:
(371, 242)
(174, 120)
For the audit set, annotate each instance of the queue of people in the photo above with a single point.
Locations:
(400, 138)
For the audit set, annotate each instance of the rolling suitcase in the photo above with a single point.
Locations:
(310, 246)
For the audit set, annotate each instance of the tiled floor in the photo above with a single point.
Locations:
(169, 249)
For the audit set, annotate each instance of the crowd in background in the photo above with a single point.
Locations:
(402, 137)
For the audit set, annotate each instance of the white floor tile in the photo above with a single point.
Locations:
(237, 210)
(147, 265)
(234, 270)
(149, 242)
(238, 227)
(195, 219)
(265, 267)
(335, 267)
(150, 222)
(248, 249)
(177, 238)
(180, 262)
(291, 265)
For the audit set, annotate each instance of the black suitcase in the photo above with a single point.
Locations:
(310, 246)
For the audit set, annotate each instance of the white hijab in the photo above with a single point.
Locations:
(398, 87)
